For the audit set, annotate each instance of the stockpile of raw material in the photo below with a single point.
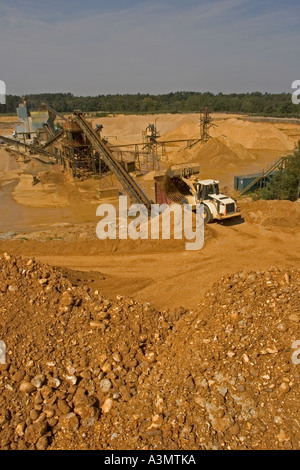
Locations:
(225, 377)
(86, 372)
(232, 141)
(216, 151)
(220, 150)
(187, 130)
(284, 215)
(254, 135)
(72, 357)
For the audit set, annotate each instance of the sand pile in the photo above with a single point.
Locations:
(128, 129)
(253, 135)
(216, 151)
(219, 151)
(175, 224)
(67, 240)
(149, 176)
(233, 141)
(86, 372)
(188, 130)
(72, 355)
(284, 215)
(224, 379)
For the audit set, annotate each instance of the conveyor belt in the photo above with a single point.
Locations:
(33, 148)
(52, 140)
(132, 188)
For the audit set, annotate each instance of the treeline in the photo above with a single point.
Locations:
(263, 104)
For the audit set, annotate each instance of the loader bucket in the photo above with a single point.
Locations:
(183, 170)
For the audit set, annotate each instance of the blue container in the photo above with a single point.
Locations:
(242, 181)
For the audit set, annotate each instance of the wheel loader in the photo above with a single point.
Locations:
(181, 183)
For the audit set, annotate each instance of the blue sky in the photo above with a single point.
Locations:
(130, 46)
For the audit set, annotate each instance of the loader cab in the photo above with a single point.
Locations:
(206, 188)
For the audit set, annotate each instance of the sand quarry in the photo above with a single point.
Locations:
(91, 325)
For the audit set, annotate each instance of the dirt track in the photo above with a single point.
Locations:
(167, 279)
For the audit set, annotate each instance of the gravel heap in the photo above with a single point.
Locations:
(86, 372)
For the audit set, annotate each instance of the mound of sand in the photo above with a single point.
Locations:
(283, 215)
(216, 151)
(149, 176)
(83, 371)
(233, 141)
(254, 135)
(221, 150)
(188, 130)
(129, 128)
(176, 229)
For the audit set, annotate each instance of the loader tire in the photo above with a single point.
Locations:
(207, 215)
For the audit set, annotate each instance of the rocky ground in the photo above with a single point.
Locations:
(87, 372)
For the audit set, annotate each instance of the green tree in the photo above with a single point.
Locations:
(285, 184)
(182, 101)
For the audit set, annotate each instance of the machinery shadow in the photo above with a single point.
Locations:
(231, 222)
